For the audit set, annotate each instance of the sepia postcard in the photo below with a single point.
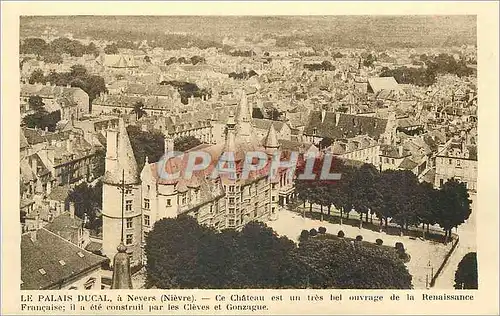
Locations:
(238, 158)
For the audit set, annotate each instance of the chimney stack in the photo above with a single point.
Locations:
(323, 115)
(400, 150)
(72, 209)
(169, 144)
(33, 235)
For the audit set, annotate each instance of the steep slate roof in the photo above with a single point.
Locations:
(125, 160)
(46, 252)
(407, 164)
(348, 125)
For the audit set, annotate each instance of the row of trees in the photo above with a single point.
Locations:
(182, 254)
(51, 52)
(188, 90)
(426, 76)
(78, 76)
(392, 195)
(325, 65)
(243, 75)
(194, 60)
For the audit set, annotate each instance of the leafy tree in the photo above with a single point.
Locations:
(37, 76)
(98, 163)
(404, 199)
(466, 274)
(185, 143)
(364, 192)
(139, 110)
(147, 59)
(146, 143)
(111, 49)
(43, 119)
(425, 204)
(342, 265)
(453, 206)
(36, 103)
(87, 200)
(32, 45)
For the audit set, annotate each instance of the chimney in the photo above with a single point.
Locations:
(33, 235)
(323, 115)
(337, 118)
(169, 144)
(72, 209)
(34, 164)
(69, 145)
(400, 150)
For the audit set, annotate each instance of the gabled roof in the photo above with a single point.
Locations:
(50, 260)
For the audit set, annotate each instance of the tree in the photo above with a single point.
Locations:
(404, 197)
(466, 274)
(363, 185)
(36, 103)
(453, 206)
(343, 265)
(425, 205)
(98, 163)
(147, 59)
(111, 49)
(146, 143)
(36, 46)
(43, 120)
(37, 76)
(87, 200)
(139, 110)
(185, 143)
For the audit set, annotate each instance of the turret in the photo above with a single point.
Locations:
(122, 278)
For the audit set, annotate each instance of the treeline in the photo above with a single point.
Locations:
(392, 195)
(243, 75)
(188, 90)
(183, 60)
(93, 85)
(426, 76)
(325, 65)
(183, 254)
(51, 52)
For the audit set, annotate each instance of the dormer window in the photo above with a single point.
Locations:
(42, 271)
(315, 131)
(80, 254)
(61, 262)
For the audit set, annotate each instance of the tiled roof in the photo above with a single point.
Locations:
(264, 124)
(407, 164)
(66, 226)
(50, 260)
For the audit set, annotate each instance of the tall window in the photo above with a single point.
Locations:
(146, 220)
(129, 239)
(146, 204)
(231, 222)
(128, 205)
(129, 223)
(169, 202)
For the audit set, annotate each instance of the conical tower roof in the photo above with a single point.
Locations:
(271, 140)
(244, 114)
(126, 165)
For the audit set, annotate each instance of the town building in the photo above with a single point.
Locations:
(457, 160)
(50, 262)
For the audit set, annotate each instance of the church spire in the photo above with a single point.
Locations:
(244, 114)
(271, 140)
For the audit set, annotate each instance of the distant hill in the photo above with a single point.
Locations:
(314, 30)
